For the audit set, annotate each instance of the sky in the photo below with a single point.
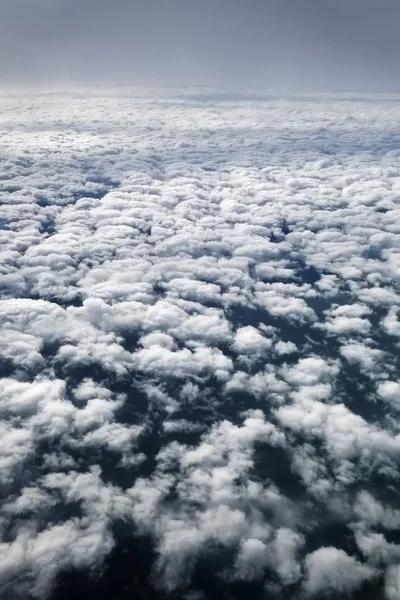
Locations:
(180, 42)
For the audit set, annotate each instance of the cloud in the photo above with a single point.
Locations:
(392, 582)
(199, 342)
(212, 507)
(330, 569)
(389, 390)
(32, 560)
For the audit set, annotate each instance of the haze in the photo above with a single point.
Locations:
(337, 43)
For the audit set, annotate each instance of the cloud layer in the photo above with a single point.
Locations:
(199, 344)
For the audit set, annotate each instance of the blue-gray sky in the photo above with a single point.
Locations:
(190, 42)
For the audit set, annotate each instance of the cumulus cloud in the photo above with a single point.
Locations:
(330, 569)
(199, 342)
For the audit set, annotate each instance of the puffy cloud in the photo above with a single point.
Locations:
(390, 391)
(392, 582)
(368, 358)
(248, 340)
(40, 549)
(331, 570)
(348, 319)
(280, 554)
(216, 502)
(199, 338)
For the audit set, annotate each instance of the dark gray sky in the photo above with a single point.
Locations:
(200, 42)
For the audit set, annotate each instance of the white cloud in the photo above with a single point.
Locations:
(330, 569)
(348, 319)
(392, 582)
(162, 269)
(390, 391)
(368, 358)
(248, 340)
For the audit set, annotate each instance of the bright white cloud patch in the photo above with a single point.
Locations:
(199, 344)
(332, 570)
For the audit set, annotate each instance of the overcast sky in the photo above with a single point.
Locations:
(200, 42)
